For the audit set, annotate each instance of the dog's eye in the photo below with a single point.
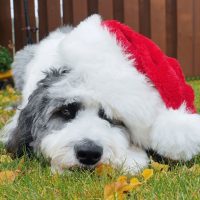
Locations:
(114, 122)
(69, 111)
(65, 111)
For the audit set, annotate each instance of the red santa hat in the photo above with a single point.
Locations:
(164, 72)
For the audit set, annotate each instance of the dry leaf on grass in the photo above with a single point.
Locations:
(135, 182)
(10, 90)
(8, 176)
(5, 159)
(147, 173)
(120, 188)
(104, 169)
(114, 191)
(159, 167)
(122, 179)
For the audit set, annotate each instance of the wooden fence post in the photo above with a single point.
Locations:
(144, 15)
(19, 23)
(131, 13)
(197, 37)
(106, 9)
(67, 12)
(49, 16)
(5, 23)
(185, 35)
(80, 10)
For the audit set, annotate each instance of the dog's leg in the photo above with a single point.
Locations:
(175, 134)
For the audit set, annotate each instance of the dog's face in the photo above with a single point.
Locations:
(72, 128)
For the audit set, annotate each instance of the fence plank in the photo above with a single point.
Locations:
(118, 10)
(49, 16)
(80, 10)
(53, 13)
(106, 9)
(42, 13)
(197, 37)
(144, 16)
(185, 35)
(31, 12)
(171, 27)
(131, 14)
(92, 7)
(67, 12)
(158, 23)
(19, 23)
(5, 23)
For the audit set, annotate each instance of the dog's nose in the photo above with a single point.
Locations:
(88, 153)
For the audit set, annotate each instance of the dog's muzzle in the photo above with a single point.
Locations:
(88, 153)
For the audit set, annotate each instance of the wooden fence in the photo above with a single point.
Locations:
(173, 24)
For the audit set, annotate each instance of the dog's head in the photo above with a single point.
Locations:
(71, 125)
(89, 112)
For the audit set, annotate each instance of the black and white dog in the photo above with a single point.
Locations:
(92, 106)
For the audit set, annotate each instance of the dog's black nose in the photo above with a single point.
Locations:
(88, 153)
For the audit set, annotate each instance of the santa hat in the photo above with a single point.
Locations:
(164, 72)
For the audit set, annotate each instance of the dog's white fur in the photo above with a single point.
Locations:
(102, 74)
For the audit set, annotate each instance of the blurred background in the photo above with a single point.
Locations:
(173, 24)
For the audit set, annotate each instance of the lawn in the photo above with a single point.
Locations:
(34, 179)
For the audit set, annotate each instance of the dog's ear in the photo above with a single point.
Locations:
(20, 139)
(33, 116)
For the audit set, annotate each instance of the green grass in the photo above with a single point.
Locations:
(36, 181)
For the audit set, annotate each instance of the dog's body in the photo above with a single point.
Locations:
(92, 106)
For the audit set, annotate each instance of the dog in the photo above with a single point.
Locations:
(85, 102)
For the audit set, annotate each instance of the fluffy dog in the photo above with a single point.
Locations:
(85, 102)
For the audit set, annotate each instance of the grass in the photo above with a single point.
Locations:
(35, 180)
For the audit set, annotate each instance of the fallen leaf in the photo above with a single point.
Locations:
(122, 179)
(118, 189)
(5, 159)
(10, 90)
(147, 173)
(159, 167)
(114, 191)
(135, 182)
(103, 169)
(8, 176)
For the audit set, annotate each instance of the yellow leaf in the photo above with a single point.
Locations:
(122, 179)
(8, 176)
(135, 182)
(5, 75)
(103, 169)
(114, 189)
(10, 89)
(5, 159)
(147, 173)
(159, 167)
(117, 190)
